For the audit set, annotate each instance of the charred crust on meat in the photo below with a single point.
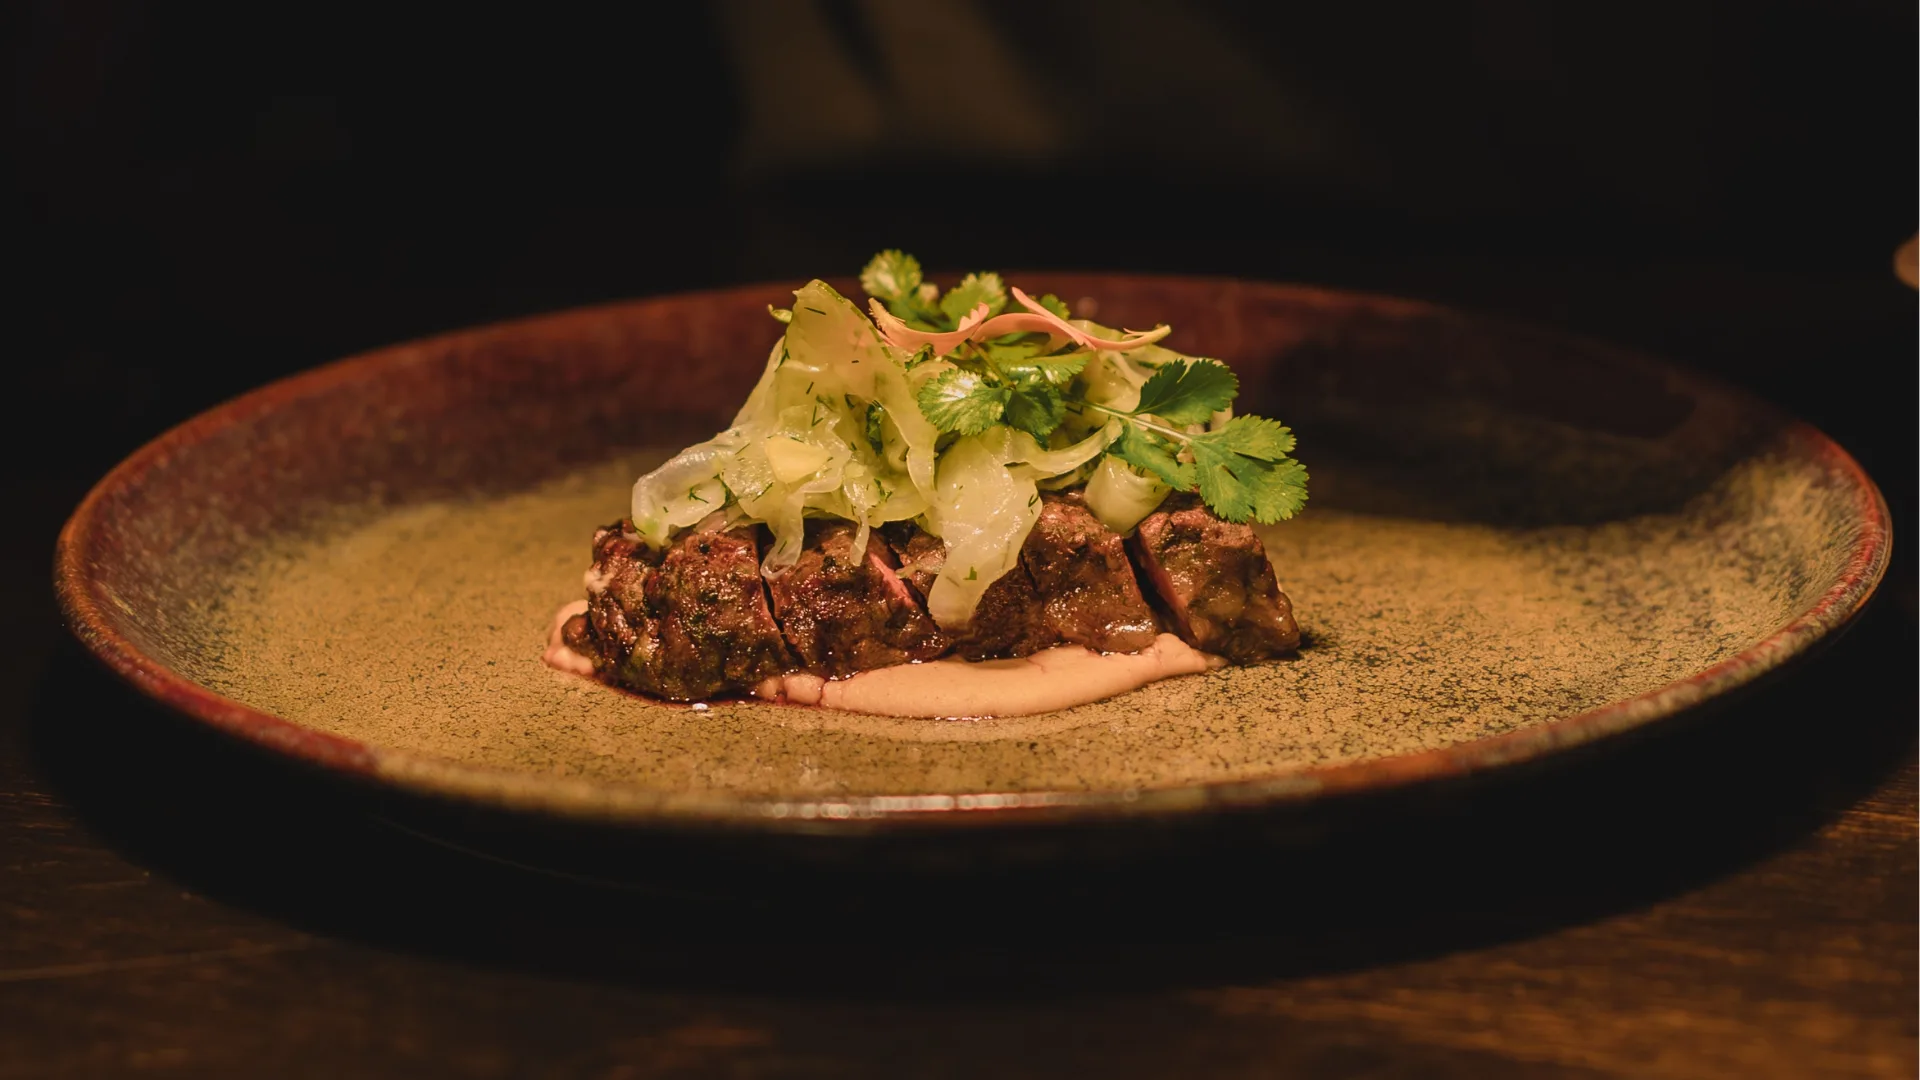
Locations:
(1084, 581)
(842, 614)
(1214, 582)
(704, 618)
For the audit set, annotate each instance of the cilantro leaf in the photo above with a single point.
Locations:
(973, 290)
(876, 427)
(1058, 370)
(1056, 305)
(1188, 392)
(1256, 437)
(891, 275)
(1153, 454)
(1036, 408)
(1239, 487)
(962, 401)
(918, 313)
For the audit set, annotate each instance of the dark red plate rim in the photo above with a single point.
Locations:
(630, 805)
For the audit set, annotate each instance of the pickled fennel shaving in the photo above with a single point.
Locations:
(953, 412)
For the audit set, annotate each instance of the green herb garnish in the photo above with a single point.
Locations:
(1243, 469)
(962, 401)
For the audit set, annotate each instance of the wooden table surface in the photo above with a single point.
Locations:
(1735, 896)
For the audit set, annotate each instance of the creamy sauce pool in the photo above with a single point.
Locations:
(1051, 679)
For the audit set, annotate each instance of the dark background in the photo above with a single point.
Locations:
(210, 196)
(199, 200)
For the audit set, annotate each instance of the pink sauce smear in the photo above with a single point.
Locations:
(952, 688)
(557, 654)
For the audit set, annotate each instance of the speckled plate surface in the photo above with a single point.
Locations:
(1517, 543)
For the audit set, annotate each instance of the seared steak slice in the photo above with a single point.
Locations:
(577, 634)
(844, 615)
(1080, 571)
(616, 620)
(1072, 584)
(1215, 581)
(715, 633)
(919, 553)
(1009, 621)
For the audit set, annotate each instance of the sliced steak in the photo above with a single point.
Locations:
(1009, 621)
(698, 620)
(712, 631)
(919, 554)
(1080, 571)
(1073, 584)
(842, 614)
(1215, 582)
(577, 634)
(616, 620)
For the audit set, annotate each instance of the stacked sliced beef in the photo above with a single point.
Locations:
(844, 614)
(699, 620)
(1214, 582)
(1072, 586)
(693, 624)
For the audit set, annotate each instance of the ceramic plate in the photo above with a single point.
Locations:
(1517, 543)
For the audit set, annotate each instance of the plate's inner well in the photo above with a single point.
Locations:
(1506, 528)
(421, 629)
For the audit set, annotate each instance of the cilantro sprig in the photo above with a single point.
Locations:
(1001, 384)
(962, 401)
(894, 278)
(1243, 469)
(1188, 393)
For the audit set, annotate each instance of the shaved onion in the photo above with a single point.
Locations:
(834, 429)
